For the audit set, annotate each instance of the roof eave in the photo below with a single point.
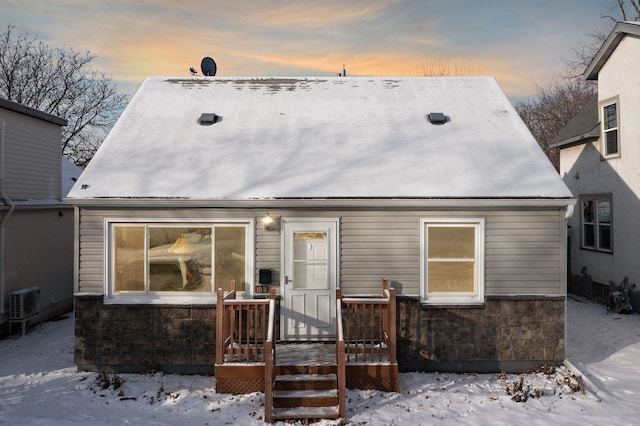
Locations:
(325, 203)
(31, 112)
(591, 136)
(36, 204)
(613, 40)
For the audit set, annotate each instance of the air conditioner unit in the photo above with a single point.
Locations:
(23, 304)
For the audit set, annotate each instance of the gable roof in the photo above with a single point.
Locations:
(616, 35)
(319, 138)
(582, 128)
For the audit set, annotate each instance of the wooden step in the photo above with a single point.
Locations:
(305, 398)
(332, 412)
(280, 370)
(306, 382)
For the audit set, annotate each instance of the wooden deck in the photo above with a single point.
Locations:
(306, 380)
(305, 354)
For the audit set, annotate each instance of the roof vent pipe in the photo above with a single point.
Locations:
(207, 119)
(436, 118)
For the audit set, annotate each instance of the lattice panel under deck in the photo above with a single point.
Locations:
(370, 383)
(239, 386)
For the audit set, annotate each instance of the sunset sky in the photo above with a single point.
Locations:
(520, 42)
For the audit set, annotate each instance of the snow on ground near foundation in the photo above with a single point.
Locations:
(39, 385)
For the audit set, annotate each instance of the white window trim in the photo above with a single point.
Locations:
(603, 105)
(475, 298)
(176, 298)
(596, 198)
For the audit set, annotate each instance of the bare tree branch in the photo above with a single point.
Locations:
(441, 68)
(633, 15)
(551, 110)
(621, 7)
(60, 81)
(553, 106)
(636, 7)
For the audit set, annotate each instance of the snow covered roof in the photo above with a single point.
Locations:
(336, 137)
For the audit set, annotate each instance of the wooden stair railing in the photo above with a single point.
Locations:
(302, 392)
(340, 358)
(270, 358)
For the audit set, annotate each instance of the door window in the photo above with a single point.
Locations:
(310, 260)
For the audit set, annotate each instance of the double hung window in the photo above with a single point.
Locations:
(596, 222)
(452, 267)
(610, 130)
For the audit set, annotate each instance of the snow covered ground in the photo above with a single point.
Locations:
(39, 385)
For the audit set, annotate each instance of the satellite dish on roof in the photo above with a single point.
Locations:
(208, 66)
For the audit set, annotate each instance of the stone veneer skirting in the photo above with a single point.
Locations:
(508, 334)
(135, 338)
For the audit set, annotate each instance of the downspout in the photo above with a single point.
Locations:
(3, 223)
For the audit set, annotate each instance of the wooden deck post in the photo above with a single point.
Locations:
(340, 355)
(220, 327)
(268, 381)
(272, 296)
(269, 358)
(392, 325)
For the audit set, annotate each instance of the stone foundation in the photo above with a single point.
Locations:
(508, 334)
(134, 338)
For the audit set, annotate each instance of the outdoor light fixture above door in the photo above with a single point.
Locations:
(269, 223)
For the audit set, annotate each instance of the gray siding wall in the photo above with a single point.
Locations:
(32, 157)
(40, 254)
(525, 249)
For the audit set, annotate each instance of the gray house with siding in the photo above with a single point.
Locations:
(308, 185)
(36, 227)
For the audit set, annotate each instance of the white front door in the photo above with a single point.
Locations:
(309, 278)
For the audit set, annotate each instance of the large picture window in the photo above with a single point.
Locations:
(452, 267)
(185, 260)
(596, 222)
(610, 130)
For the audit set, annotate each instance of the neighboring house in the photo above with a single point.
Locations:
(599, 162)
(36, 230)
(313, 184)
